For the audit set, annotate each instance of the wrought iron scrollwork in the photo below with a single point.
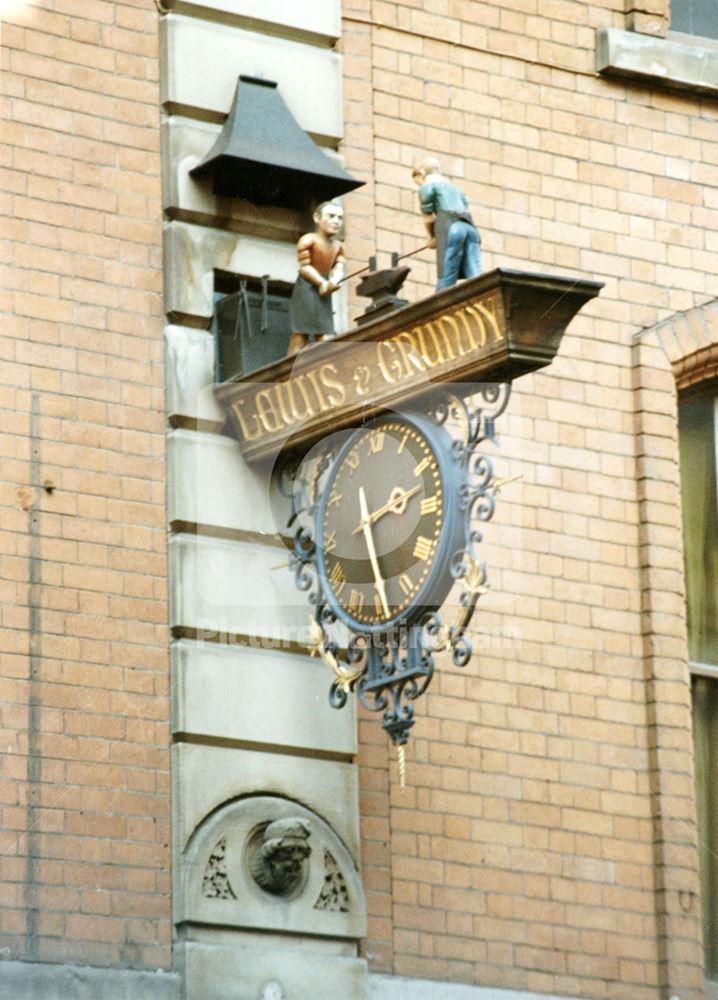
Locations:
(474, 420)
(390, 670)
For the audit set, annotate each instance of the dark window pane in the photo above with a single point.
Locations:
(696, 424)
(695, 17)
(705, 738)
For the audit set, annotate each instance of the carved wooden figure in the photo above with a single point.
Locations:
(321, 268)
(449, 224)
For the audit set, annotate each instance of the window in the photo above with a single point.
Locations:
(698, 421)
(695, 17)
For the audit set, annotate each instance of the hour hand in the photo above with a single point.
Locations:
(398, 499)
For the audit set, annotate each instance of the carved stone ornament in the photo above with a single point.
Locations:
(215, 884)
(334, 895)
(268, 863)
(277, 854)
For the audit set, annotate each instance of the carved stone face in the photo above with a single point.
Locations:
(276, 860)
(288, 858)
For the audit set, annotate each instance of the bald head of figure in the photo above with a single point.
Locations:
(425, 168)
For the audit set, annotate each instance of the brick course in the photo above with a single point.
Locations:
(84, 791)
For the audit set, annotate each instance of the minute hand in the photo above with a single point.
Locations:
(389, 505)
(368, 537)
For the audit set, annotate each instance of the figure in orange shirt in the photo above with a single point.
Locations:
(321, 268)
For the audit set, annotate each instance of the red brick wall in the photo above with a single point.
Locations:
(536, 844)
(83, 646)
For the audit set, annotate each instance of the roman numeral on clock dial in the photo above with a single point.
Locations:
(356, 601)
(422, 547)
(338, 579)
(376, 442)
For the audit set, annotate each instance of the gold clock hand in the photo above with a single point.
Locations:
(369, 538)
(396, 503)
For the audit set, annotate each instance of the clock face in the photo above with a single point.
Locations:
(381, 523)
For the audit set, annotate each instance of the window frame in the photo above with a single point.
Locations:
(696, 388)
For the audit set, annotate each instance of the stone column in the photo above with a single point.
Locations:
(255, 741)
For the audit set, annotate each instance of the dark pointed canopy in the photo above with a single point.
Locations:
(264, 156)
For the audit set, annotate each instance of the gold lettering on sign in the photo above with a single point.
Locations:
(399, 359)
(462, 313)
(435, 343)
(454, 327)
(313, 377)
(267, 413)
(249, 432)
(361, 379)
(298, 411)
(390, 370)
(409, 354)
(479, 323)
(280, 395)
(493, 323)
(336, 393)
(490, 318)
(445, 340)
(438, 358)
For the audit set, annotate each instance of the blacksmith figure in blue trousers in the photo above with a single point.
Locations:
(448, 222)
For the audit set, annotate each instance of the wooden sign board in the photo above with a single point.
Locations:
(493, 328)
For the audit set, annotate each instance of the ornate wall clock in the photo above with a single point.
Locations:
(389, 522)
(387, 519)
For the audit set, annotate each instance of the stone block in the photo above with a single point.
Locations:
(190, 375)
(398, 988)
(47, 981)
(201, 61)
(659, 60)
(211, 484)
(258, 696)
(193, 252)
(647, 23)
(220, 586)
(207, 777)
(272, 969)
(267, 863)
(321, 18)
